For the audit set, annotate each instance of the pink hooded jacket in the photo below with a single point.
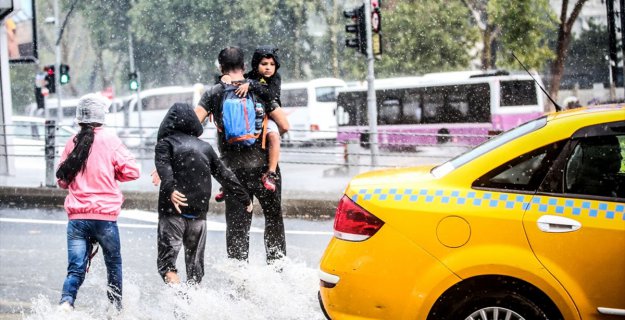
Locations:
(94, 194)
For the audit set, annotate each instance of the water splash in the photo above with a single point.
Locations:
(229, 290)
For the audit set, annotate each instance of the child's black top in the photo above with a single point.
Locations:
(267, 89)
(185, 163)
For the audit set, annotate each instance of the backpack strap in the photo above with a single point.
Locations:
(264, 134)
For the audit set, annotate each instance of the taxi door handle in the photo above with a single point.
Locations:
(557, 224)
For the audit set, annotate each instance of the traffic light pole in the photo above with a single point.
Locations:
(131, 56)
(6, 105)
(372, 111)
(57, 68)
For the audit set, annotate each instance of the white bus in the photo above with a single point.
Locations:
(311, 109)
(127, 119)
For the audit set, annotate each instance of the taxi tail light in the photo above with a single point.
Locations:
(314, 127)
(353, 223)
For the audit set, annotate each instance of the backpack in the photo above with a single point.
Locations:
(238, 118)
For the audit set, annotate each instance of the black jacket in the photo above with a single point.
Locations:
(185, 163)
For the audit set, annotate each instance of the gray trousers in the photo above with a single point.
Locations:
(175, 232)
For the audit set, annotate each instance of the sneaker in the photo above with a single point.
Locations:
(269, 180)
(65, 307)
(220, 197)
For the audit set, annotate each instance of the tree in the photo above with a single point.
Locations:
(517, 26)
(424, 36)
(585, 64)
(562, 44)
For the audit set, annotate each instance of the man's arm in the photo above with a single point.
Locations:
(201, 113)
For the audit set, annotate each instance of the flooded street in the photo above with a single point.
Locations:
(33, 264)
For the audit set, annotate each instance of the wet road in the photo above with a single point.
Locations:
(33, 263)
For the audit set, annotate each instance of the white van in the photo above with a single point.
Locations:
(311, 107)
(51, 105)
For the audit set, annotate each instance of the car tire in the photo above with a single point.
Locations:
(364, 140)
(442, 136)
(487, 302)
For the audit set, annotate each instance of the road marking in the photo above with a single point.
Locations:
(210, 226)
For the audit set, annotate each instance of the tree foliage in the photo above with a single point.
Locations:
(524, 27)
(512, 26)
(177, 42)
(424, 36)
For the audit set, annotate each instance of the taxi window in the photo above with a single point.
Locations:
(596, 167)
(524, 173)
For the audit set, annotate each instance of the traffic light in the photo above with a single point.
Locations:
(358, 28)
(50, 78)
(64, 78)
(376, 27)
(133, 81)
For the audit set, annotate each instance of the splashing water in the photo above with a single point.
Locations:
(229, 290)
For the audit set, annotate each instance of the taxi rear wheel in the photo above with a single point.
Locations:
(481, 297)
(501, 304)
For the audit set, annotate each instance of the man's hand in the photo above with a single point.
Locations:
(156, 180)
(178, 199)
(250, 207)
(241, 91)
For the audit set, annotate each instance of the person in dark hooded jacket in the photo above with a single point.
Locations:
(185, 165)
(264, 81)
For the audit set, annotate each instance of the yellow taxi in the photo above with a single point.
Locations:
(529, 225)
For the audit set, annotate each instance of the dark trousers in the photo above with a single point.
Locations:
(175, 232)
(238, 221)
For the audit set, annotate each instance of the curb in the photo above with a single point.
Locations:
(45, 197)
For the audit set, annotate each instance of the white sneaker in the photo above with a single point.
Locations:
(65, 307)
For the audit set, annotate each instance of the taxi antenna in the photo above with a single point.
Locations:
(558, 107)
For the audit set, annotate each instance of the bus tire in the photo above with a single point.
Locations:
(442, 136)
(364, 140)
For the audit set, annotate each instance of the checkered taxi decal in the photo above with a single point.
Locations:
(564, 206)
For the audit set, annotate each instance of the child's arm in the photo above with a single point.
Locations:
(62, 184)
(227, 179)
(126, 167)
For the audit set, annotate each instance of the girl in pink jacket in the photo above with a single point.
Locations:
(92, 163)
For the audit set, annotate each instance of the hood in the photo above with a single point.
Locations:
(264, 52)
(180, 118)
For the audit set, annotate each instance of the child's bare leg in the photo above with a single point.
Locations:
(274, 150)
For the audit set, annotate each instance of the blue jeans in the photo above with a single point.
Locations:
(80, 236)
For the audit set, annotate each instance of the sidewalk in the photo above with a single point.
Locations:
(306, 191)
(313, 181)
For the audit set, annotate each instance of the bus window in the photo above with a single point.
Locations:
(294, 98)
(412, 108)
(518, 93)
(325, 94)
(478, 100)
(351, 109)
(389, 112)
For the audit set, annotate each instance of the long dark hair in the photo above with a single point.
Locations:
(77, 159)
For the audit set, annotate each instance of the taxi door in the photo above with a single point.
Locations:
(575, 223)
